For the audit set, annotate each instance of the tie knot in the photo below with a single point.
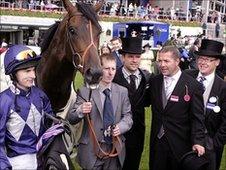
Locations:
(132, 77)
(107, 92)
(202, 78)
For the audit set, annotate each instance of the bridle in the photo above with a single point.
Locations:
(79, 66)
(75, 55)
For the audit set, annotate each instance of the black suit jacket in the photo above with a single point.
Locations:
(215, 122)
(183, 121)
(135, 137)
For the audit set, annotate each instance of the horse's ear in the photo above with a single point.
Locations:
(68, 6)
(98, 5)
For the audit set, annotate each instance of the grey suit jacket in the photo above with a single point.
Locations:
(123, 118)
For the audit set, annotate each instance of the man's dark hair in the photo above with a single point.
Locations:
(173, 49)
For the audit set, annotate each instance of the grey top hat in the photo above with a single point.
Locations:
(131, 45)
(210, 48)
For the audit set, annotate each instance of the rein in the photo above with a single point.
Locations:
(115, 141)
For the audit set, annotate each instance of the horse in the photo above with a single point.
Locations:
(70, 46)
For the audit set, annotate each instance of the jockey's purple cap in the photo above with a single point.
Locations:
(19, 57)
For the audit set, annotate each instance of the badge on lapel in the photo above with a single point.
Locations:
(212, 99)
(213, 104)
(174, 98)
(186, 96)
(217, 109)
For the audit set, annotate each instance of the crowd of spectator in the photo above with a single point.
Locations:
(147, 12)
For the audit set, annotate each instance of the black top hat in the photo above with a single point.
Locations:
(191, 161)
(147, 45)
(210, 48)
(131, 45)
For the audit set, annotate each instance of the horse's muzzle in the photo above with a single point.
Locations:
(93, 76)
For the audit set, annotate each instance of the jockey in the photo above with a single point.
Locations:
(22, 108)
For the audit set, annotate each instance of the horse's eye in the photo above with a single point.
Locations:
(72, 30)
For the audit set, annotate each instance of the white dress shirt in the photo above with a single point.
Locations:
(170, 83)
(208, 83)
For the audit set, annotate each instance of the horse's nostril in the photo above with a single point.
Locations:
(93, 76)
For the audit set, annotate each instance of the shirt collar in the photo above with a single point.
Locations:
(103, 87)
(175, 76)
(127, 73)
(18, 91)
(208, 78)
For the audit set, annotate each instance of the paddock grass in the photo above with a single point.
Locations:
(145, 155)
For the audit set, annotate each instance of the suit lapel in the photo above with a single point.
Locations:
(115, 98)
(213, 93)
(159, 90)
(194, 73)
(164, 99)
(120, 79)
(97, 101)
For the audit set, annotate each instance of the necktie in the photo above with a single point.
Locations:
(108, 117)
(132, 82)
(201, 80)
(168, 83)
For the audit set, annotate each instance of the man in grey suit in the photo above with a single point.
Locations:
(89, 151)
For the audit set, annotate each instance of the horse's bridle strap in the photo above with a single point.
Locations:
(91, 41)
(74, 53)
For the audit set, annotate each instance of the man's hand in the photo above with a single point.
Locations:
(86, 107)
(199, 149)
(116, 131)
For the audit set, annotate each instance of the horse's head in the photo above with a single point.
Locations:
(68, 46)
(82, 32)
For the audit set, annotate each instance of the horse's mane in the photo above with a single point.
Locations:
(86, 9)
(48, 36)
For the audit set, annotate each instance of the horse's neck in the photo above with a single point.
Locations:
(55, 77)
(54, 65)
